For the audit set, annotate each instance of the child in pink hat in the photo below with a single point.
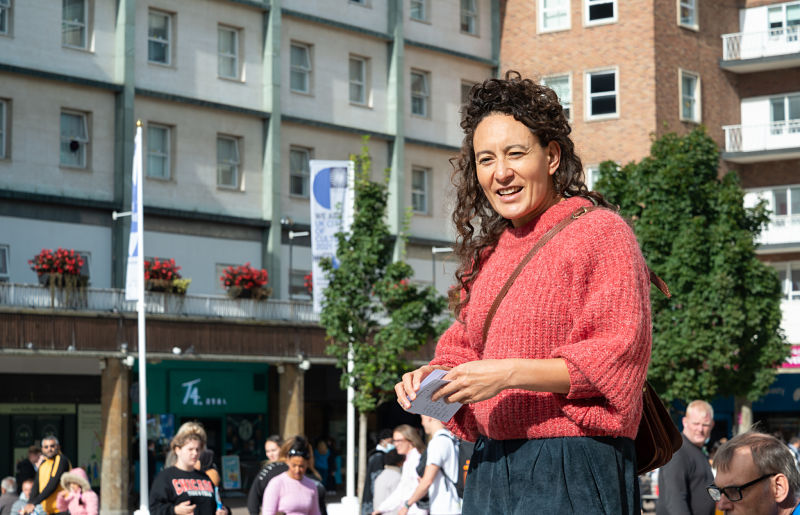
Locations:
(77, 496)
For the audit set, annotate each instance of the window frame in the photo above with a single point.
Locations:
(589, 116)
(5, 16)
(167, 156)
(237, 164)
(469, 14)
(5, 259)
(425, 96)
(786, 268)
(425, 13)
(788, 125)
(540, 19)
(697, 116)
(166, 42)
(305, 176)
(365, 101)
(84, 143)
(568, 76)
(587, 4)
(237, 74)
(4, 139)
(307, 72)
(298, 291)
(83, 24)
(691, 6)
(424, 193)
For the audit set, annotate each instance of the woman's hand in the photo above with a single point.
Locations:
(184, 508)
(407, 389)
(476, 381)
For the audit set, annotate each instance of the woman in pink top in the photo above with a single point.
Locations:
(77, 496)
(292, 493)
(552, 385)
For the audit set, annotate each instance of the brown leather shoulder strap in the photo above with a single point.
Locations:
(656, 280)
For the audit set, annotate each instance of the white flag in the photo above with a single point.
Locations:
(133, 276)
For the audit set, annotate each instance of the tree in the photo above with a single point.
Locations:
(371, 309)
(720, 333)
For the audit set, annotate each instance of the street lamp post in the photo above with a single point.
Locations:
(434, 251)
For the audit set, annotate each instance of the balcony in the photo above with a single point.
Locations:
(113, 301)
(763, 142)
(748, 52)
(790, 320)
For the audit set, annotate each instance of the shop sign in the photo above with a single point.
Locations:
(213, 392)
(37, 409)
(793, 361)
(783, 395)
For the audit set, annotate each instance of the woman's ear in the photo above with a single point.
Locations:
(553, 157)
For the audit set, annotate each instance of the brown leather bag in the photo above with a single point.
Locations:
(658, 438)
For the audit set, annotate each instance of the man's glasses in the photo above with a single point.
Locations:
(733, 493)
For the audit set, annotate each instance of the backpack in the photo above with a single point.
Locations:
(464, 451)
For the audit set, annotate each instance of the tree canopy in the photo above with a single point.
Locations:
(720, 333)
(370, 305)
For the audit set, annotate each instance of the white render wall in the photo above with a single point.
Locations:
(443, 27)
(193, 186)
(34, 164)
(26, 237)
(374, 15)
(35, 40)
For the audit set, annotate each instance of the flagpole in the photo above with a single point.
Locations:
(137, 218)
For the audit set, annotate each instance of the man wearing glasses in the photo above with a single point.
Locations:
(756, 475)
(47, 483)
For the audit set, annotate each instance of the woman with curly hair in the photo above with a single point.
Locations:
(552, 384)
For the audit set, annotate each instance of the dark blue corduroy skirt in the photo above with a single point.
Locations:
(581, 475)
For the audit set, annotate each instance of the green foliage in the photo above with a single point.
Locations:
(371, 307)
(720, 333)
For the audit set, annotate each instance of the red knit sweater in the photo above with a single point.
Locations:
(584, 297)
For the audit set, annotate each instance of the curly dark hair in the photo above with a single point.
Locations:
(537, 107)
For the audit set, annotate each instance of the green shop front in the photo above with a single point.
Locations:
(231, 401)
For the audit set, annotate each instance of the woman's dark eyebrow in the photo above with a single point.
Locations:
(506, 149)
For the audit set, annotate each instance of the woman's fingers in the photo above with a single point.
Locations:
(406, 390)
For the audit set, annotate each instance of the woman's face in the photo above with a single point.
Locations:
(273, 450)
(401, 444)
(187, 455)
(297, 467)
(75, 487)
(513, 169)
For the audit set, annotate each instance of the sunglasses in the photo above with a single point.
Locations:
(49, 446)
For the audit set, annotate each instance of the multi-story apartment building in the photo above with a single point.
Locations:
(629, 70)
(235, 97)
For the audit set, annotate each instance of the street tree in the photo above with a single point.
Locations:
(372, 314)
(720, 332)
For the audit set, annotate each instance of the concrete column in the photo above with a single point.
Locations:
(395, 100)
(115, 388)
(291, 401)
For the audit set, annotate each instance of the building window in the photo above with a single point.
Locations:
(786, 205)
(158, 151)
(784, 17)
(600, 11)
(419, 10)
(74, 139)
(785, 114)
(419, 93)
(690, 97)
(553, 15)
(159, 37)
(687, 13)
(74, 22)
(3, 129)
(4, 257)
(228, 52)
(602, 97)
(469, 16)
(297, 285)
(562, 85)
(5, 17)
(358, 80)
(299, 171)
(228, 162)
(300, 76)
(591, 174)
(419, 190)
(789, 275)
(359, 2)
(85, 270)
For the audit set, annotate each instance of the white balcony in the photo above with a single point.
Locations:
(113, 301)
(762, 142)
(781, 230)
(747, 52)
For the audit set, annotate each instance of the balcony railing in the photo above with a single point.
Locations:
(755, 45)
(769, 136)
(112, 300)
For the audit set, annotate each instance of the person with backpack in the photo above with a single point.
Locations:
(438, 472)
(549, 350)
(375, 463)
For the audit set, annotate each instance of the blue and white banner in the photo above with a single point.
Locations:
(133, 276)
(332, 204)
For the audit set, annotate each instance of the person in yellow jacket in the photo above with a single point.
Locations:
(47, 482)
